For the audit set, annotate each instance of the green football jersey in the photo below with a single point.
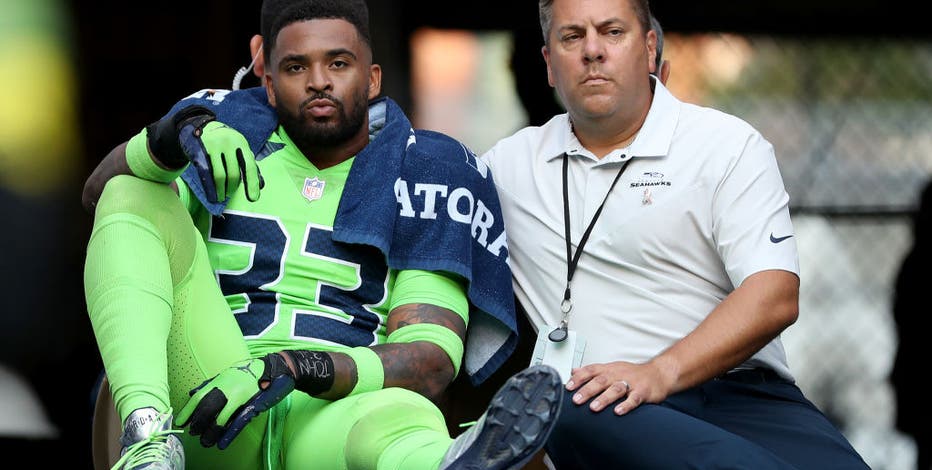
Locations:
(285, 279)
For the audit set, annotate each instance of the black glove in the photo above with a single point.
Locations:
(220, 154)
(222, 406)
(164, 135)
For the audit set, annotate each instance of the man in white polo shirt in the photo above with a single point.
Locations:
(652, 247)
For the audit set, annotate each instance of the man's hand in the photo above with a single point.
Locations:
(222, 157)
(622, 384)
(245, 389)
(220, 154)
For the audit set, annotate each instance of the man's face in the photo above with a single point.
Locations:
(320, 81)
(598, 58)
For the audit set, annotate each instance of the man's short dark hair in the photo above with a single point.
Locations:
(276, 14)
(545, 9)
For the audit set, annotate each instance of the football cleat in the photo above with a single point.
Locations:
(515, 426)
(149, 442)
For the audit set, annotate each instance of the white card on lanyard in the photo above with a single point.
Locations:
(561, 355)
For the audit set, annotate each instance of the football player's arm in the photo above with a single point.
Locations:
(112, 165)
(154, 154)
(162, 150)
(425, 341)
(425, 364)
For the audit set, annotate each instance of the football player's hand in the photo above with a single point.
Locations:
(222, 406)
(222, 158)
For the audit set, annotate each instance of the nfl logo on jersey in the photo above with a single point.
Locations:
(313, 188)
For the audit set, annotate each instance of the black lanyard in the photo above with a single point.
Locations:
(560, 333)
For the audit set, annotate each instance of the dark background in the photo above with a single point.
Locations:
(135, 59)
(139, 58)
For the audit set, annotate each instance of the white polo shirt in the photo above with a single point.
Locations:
(701, 207)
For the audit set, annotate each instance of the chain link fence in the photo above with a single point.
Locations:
(851, 124)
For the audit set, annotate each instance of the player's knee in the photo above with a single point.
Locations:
(401, 413)
(129, 194)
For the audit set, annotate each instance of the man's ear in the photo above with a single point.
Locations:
(651, 42)
(375, 81)
(546, 53)
(269, 91)
(255, 51)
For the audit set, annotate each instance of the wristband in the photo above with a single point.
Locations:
(370, 375)
(314, 372)
(445, 338)
(142, 165)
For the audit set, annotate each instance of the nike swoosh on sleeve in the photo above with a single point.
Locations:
(774, 239)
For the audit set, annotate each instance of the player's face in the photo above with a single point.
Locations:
(598, 58)
(320, 80)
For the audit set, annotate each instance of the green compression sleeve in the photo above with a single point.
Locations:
(442, 336)
(142, 165)
(369, 371)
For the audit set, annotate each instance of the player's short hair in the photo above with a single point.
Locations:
(277, 14)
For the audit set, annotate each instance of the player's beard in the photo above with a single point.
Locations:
(308, 133)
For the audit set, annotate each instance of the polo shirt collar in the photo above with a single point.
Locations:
(653, 140)
(656, 135)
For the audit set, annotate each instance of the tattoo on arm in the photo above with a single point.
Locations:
(424, 313)
(420, 366)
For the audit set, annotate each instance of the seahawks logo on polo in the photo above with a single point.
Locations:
(650, 178)
(424, 200)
